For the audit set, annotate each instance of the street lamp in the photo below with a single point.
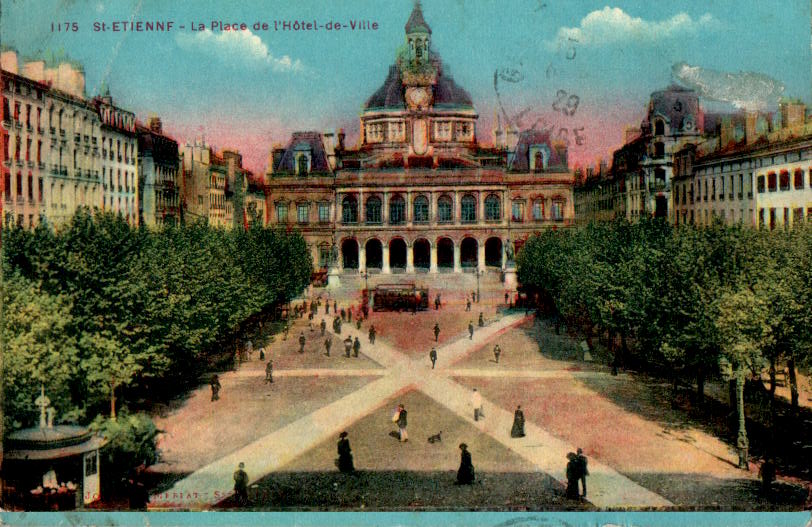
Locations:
(478, 272)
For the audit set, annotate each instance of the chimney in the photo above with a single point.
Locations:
(155, 124)
(8, 61)
(750, 120)
(278, 152)
(35, 70)
(341, 136)
(726, 134)
(793, 113)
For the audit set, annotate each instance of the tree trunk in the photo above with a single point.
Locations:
(772, 392)
(793, 384)
(700, 385)
(113, 400)
(741, 441)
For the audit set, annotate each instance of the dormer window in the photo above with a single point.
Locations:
(539, 156)
(302, 163)
(659, 127)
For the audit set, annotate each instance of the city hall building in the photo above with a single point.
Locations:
(419, 193)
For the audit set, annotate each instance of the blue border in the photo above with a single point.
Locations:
(420, 519)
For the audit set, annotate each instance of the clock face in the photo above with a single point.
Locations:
(418, 96)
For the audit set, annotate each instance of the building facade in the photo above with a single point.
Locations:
(418, 193)
(158, 176)
(119, 143)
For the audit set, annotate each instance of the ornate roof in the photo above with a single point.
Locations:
(529, 138)
(391, 94)
(675, 104)
(416, 22)
(304, 141)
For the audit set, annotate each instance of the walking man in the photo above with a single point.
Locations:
(583, 472)
(402, 422)
(215, 387)
(476, 402)
(269, 371)
(466, 472)
(468, 304)
(323, 326)
(241, 485)
(343, 314)
(328, 342)
(481, 321)
(433, 356)
(302, 341)
(436, 331)
(347, 346)
(437, 302)
(335, 307)
(365, 310)
(372, 333)
(356, 347)
(496, 352)
(471, 330)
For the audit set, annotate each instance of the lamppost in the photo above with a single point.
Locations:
(478, 272)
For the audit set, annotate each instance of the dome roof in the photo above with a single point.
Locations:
(416, 22)
(390, 94)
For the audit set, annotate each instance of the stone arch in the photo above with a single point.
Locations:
(421, 253)
(469, 249)
(373, 250)
(397, 253)
(493, 252)
(349, 253)
(445, 253)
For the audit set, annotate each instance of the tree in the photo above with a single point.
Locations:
(744, 332)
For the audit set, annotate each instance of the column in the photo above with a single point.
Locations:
(385, 267)
(409, 212)
(480, 256)
(362, 258)
(504, 255)
(410, 258)
(457, 267)
(480, 217)
(433, 258)
(385, 215)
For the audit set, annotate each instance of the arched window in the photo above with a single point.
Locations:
(468, 209)
(538, 209)
(659, 127)
(301, 169)
(349, 210)
(659, 150)
(558, 210)
(493, 208)
(397, 210)
(538, 164)
(421, 209)
(373, 210)
(444, 209)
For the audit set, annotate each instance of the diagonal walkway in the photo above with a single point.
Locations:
(211, 484)
(313, 372)
(531, 374)
(606, 487)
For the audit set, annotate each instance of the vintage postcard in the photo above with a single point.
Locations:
(464, 262)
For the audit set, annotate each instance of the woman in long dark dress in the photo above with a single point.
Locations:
(573, 475)
(465, 474)
(518, 423)
(344, 454)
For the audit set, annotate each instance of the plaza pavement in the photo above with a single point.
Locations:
(212, 483)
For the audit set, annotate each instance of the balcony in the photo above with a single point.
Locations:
(730, 196)
(93, 140)
(18, 162)
(63, 170)
(40, 165)
(7, 162)
(40, 130)
(741, 195)
(29, 129)
(722, 197)
(18, 124)
(6, 124)
(104, 152)
(77, 138)
(657, 186)
(95, 151)
(52, 129)
(119, 158)
(30, 164)
(55, 170)
(62, 132)
(87, 139)
(53, 141)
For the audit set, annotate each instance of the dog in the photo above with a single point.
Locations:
(436, 438)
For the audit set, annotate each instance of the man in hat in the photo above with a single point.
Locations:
(241, 484)
(302, 341)
(356, 347)
(497, 351)
(347, 346)
(436, 331)
(215, 387)
(468, 304)
(583, 472)
(437, 302)
(328, 342)
(481, 321)
(323, 326)
(471, 330)
(476, 402)
(372, 334)
(269, 371)
(402, 422)
(433, 356)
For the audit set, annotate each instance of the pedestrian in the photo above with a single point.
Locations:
(468, 304)
(343, 314)
(302, 341)
(347, 346)
(356, 347)
(337, 325)
(767, 475)
(400, 419)
(436, 331)
(433, 356)
(327, 308)
(262, 353)
(496, 352)
(481, 321)
(473, 296)
(241, 485)
(471, 330)
(335, 307)
(572, 476)
(466, 473)
(310, 316)
(437, 302)
(365, 310)
(323, 326)
(358, 323)
(476, 402)
(215, 387)
(328, 342)
(287, 328)
(372, 334)
(583, 472)
(518, 423)
(249, 349)
(507, 296)
(269, 371)
(344, 461)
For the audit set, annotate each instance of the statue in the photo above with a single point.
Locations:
(333, 255)
(509, 251)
